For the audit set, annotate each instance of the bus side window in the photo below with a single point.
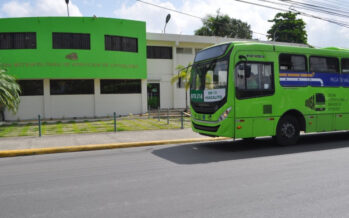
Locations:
(290, 63)
(295, 63)
(259, 83)
(345, 65)
(345, 72)
(325, 71)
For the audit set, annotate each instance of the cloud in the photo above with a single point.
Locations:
(155, 17)
(16, 8)
(324, 34)
(320, 33)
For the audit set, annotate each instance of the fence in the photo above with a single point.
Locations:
(155, 119)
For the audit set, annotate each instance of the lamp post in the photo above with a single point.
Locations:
(168, 17)
(67, 2)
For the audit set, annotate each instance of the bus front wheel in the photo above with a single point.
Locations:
(287, 131)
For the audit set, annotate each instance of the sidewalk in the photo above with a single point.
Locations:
(15, 143)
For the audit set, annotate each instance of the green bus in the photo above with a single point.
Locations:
(249, 89)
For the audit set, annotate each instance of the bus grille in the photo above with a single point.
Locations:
(206, 128)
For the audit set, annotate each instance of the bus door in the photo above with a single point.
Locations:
(325, 73)
(254, 87)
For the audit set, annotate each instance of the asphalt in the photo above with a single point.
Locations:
(53, 141)
(215, 179)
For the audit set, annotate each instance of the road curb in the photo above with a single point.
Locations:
(92, 147)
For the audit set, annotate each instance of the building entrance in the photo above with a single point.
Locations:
(153, 90)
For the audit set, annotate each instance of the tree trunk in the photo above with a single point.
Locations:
(186, 100)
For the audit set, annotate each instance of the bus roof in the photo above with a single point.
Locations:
(281, 47)
(292, 48)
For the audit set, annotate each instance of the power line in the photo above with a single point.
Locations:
(339, 23)
(183, 13)
(316, 8)
(169, 9)
(294, 5)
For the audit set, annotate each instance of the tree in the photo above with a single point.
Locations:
(9, 92)
(225, 26)
(287, 28)
(183, 77)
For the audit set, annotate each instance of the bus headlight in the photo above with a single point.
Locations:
(225, 114)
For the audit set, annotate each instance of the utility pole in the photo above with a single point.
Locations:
(67, 2)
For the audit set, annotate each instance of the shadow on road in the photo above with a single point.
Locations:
(228, 150)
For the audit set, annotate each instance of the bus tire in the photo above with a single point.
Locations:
(287, 131)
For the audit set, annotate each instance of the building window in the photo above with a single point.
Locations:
(159, 52)
(184, 51)
(345, 65)
(17, 40)
(121, 86)
(31, 87)
(119, 43)
(71, 41)
(324, 64)
(71, 87)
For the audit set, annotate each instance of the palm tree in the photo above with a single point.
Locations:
(183, 75)
(9, 92)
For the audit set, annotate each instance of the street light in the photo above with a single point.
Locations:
(67, 2)
(168, 17)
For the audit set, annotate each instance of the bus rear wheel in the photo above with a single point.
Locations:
(287, 131)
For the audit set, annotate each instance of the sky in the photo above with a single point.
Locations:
(320, 33)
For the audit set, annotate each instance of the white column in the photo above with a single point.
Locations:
(144, 100)
(97, 95)
(47, 99)
(175, 63)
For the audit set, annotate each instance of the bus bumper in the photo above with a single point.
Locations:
(224, 128)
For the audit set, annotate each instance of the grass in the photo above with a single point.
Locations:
(74, 127)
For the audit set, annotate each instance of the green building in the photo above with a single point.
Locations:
(75, 66)
(92, 67)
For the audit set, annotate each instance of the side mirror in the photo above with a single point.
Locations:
(246, 68)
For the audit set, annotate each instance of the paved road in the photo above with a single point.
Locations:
(221, 179)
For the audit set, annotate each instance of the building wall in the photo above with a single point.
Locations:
(78, 106)
(71, 106)
(29, 108)
(124, 104)
(44, 61)
(100, 105)
(160, 71)
(179, 93)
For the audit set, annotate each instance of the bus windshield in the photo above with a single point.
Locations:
(212, 52)
(209, 81)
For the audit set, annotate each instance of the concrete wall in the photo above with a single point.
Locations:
(179, 93)
(64, 106)
(29, 108)
(122, 104)
(160, 70)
